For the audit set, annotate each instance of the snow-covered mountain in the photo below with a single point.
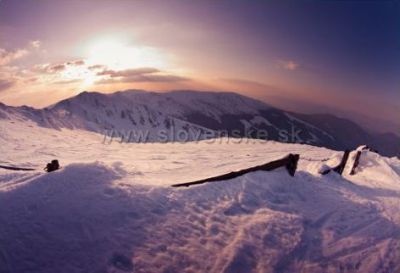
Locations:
(140, 116)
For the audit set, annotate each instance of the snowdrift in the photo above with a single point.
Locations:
(121, 215)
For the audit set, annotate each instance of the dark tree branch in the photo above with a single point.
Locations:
(290, 162)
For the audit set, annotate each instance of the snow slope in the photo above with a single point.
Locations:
(110, 208)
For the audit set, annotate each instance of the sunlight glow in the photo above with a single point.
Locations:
(118, 55)
(79, 73)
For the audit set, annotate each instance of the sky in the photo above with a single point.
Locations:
(340, 57)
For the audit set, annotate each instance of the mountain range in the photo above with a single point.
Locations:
(142, 116)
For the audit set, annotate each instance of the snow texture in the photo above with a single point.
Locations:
(111, 208)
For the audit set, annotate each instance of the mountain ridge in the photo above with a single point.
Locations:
(198, 115)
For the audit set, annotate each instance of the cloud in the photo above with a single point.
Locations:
(64, 73)
(57, 68)
(40, 68)
(97, 67)
(5, 84)
(157, 78)
(128, 72)
(144, 74)
(152, 75)
(288, 65)
(68, 81)
(76, 63)
(31, 80)
(7, 57)
(144, 78)
(35, 44)
(71, 72)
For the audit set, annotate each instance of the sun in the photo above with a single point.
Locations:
(111, 54)
(118, 55)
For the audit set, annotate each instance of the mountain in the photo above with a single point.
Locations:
(348, 133)
(141, 116)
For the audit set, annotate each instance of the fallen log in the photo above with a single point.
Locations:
(15, 168)
(289, 162)
(339, 168)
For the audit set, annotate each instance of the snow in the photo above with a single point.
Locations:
(111, 208)
(148, 110)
